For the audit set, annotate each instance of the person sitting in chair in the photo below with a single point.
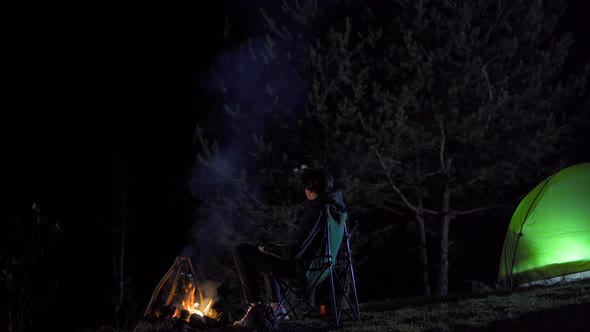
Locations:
(288, 260)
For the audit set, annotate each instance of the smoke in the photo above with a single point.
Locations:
(253, 84)
(209, 289)
(252, 88)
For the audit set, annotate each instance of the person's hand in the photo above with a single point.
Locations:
(261, 247)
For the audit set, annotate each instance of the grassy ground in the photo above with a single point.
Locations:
(560, 308)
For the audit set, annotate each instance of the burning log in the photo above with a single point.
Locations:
(184, 315)
(181, 323)
(168, 311)
(198, 322)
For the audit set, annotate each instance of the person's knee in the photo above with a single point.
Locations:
(240, 249)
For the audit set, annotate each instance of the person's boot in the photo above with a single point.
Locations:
(261, 317)
(244, 321)
(281, 313)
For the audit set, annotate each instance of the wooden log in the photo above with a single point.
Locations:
(180, 263)
(159, 287)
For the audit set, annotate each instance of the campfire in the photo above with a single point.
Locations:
(178, 301)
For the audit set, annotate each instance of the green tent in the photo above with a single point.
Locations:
(548, 238)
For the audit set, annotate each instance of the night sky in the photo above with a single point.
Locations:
(93, 85)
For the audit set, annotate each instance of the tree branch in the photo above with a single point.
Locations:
(471, 211)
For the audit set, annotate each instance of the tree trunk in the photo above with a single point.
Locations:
(443, 264)
(119, 237)
(10, 296)
(423, 254)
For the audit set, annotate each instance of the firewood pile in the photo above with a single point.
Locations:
(171, 319)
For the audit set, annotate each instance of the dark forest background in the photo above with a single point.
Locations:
(127, 129)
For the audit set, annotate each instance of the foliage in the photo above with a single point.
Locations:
(25, 259)
(459, 105)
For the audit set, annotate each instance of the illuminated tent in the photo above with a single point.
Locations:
(548, 238)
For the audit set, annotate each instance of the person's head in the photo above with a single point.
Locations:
(316, 182)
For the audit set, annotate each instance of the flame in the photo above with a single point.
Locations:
(199, 308)
(177, 290)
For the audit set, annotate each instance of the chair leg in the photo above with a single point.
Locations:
(351, 299)
(356, 298)
(335, 311)
(350, 282)
(342, 291)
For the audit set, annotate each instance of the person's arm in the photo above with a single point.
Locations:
(307, 218)
(285, 250)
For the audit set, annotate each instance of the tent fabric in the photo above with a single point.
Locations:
(548, 237)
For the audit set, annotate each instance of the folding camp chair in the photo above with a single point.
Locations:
(327, 266)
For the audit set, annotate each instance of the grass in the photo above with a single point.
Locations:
(564, 307)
